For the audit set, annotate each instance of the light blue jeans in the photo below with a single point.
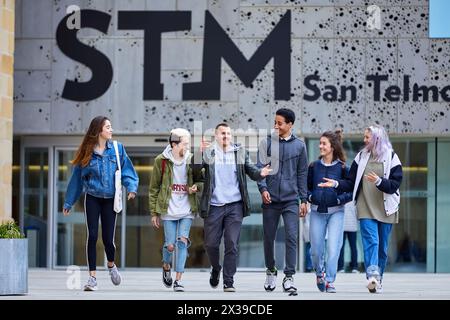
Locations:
(174, 230)
(320, 223)
(375, 239)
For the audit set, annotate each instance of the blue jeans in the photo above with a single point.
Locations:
(319, 224)
(174, 230)
(375, 240)
(308, 260)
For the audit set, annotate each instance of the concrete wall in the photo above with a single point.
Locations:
(6, 104)
(328, 36)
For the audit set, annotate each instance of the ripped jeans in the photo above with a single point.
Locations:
(174, 230)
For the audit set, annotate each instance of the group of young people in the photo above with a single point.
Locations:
(211, 182)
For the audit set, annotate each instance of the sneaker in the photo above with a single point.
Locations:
(330, 288)
(91, 284)
(166, 277)
(115, 275)
(341, 271)
(214, 279)
(178, 286)
(229, 288)
(288, 284)
(379, 288)
(372, 284)
(320, 282)
(355, 271)
(271, 280)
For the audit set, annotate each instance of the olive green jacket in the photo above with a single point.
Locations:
(160, 189)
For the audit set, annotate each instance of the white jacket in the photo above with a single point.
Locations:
(390, 160)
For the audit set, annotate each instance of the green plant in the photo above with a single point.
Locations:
(9, 230)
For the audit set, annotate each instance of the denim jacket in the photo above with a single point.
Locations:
(97, 178)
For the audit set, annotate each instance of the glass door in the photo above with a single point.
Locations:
(144, 243)
(34, 204)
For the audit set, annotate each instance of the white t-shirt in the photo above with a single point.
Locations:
(179, 206)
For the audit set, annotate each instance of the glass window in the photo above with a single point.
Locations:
(408, 246)
(35, 204)
(251, 250)
(443, 208)
(143, 242)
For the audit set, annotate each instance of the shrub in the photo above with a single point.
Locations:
(9, 230)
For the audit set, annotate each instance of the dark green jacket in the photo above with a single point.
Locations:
(160, 189)
(244, 167)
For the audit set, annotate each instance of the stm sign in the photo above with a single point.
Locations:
(217, 46)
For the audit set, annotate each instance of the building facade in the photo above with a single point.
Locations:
(6, 104)
(153, 65)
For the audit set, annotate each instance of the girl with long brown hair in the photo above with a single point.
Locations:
(327, 209)
(94, 170)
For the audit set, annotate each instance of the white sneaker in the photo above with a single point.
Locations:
(115, 275)
(288, 284)
(372, 285)
(355, 271)
(271, 280)
(379, 288)
(91, 284)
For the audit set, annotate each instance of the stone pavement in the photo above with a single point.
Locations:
(146, 284)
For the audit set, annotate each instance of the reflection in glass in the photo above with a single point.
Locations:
(35, 204)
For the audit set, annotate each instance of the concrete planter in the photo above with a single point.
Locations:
(13, 266)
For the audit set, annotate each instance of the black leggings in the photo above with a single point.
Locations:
(103, 208)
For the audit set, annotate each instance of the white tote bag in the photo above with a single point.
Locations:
(118, 182)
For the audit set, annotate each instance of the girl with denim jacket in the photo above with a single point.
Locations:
(327, 209)
(375, 177)
(94, 170)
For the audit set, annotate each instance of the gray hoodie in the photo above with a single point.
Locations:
(289, 182)
(226, 187)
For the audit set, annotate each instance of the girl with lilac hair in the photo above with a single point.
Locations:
(374, 177)
(379, 144)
